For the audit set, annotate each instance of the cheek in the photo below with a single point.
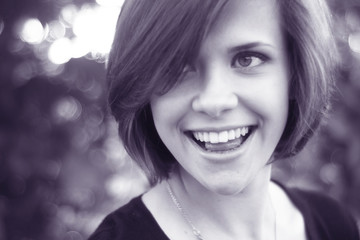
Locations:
(277, 111)
(163, 110)
(277, 100)
(276, 115)
(172, 107)
(270, 104)
(167, 112)
(167, 122)
(268, 98)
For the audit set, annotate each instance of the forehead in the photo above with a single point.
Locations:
(245, 21)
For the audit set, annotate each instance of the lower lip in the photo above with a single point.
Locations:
(221, 157)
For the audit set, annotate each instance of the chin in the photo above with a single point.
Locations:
(227, 187)
(228, 190)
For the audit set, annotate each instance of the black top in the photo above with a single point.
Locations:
(324, 220)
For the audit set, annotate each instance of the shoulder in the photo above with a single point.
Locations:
(319, 204)
(131, 221)
(324, 216)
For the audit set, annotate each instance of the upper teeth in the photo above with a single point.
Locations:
(222, 137)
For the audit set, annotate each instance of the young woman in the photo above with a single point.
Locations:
(208, 93)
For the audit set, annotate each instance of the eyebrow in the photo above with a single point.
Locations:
(249, 46)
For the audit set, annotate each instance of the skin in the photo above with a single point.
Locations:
(240, 78)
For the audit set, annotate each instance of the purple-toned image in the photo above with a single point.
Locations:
(179, 119)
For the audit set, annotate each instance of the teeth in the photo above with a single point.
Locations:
(214, 137)
(222, 137)
(201, 137)
(196, 136)
(206, 137)
(231, 134)
(237, 133)
(244, 131)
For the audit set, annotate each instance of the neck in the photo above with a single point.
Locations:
(237, 215)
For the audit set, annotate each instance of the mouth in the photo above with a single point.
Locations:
(223, 141)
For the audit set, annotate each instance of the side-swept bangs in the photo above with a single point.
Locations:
(313, 60)
(153, 42)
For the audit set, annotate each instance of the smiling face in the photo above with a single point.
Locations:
(224, 119)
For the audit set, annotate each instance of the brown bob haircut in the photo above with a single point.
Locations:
(155, 39)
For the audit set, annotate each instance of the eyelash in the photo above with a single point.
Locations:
(252, 56)
(249, 54)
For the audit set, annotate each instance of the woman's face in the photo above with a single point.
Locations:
(224, 120)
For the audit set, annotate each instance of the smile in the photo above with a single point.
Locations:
(221, 141)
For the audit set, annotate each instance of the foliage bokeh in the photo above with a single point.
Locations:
(62, 167)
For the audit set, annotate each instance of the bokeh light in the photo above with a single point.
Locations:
(67, 109)
(354, 42)
(95, 27)
(329, 173)
(60, 51)
(56, 30)
(68, 14)
(110, 3)
(32, 31)
(2, 25)
(79, 49)
(85, 31)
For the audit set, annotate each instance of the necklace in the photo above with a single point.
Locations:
(195, 231)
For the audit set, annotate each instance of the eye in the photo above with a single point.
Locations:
(248, 60)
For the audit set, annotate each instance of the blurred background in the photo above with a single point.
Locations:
(62, 167)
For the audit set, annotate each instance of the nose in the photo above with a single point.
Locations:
(215, 99)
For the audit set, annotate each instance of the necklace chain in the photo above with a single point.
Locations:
(195, 231)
